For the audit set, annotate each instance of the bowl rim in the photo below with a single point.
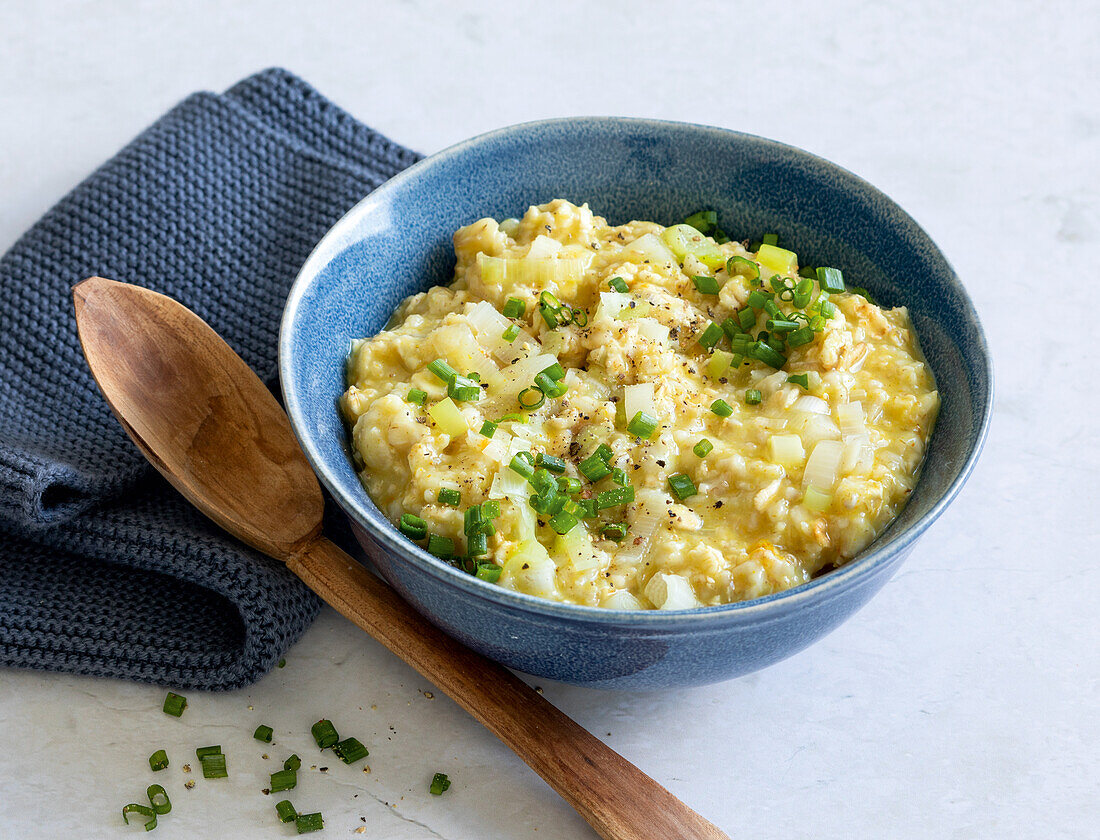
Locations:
(866, 564)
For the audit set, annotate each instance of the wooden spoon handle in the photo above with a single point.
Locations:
(614, 796)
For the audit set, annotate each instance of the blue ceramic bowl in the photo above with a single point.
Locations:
(397, 241)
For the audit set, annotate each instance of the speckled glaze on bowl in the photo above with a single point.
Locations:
(397, 241)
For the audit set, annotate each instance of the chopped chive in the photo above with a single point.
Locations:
(753, 396)
(442, 370)
(477, 545)
(594, 468)
(568, 485)
(742, 267)
(292, 763)
(548, 298)
(781, 325)
(615, 496)
(746, 318)
(803, 292)
(490, 509)
(158, 799)
(731, 327)
(463, 389)
(563, 522)
(350, 750)
(324, 733)
(618, 284)
(488, 429)
(757, 298)
(615, 531)
(522, 463)
(158, 760)
(702, 448)
(416, 396)
(174, 704)
(859, 290)
(551, 462)
(285, 811)
(620, 477)
(449, 496)
(682, 486)
(830, 279)
(827, 308)
(768, 354)
(488, 572)
(472, 520)
(555, 372)
(544, 482)
(770, 239)
(413, 526)
(205, 752)
(549, 316)
(721, 408)
(643, 425)
(143, 810)
(603, 452)
(802, 379)
(263, 733)
(440, 547)
(213, 767)
(440, 783)
(704, 221)
(551, 387)
(711, 335)
(807, 271)
(510, 334)
(514, 308)
(284, 780)
(803, 335)
(705, 285)
(531, 398)
(772, 308)
(306, 823)
(588, 508)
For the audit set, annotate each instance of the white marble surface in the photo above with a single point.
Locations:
(962, 702)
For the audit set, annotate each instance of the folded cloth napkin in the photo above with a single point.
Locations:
(104, 569)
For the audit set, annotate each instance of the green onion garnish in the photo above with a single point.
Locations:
(324, 733)
(773, 310)
(643, 425)
(831, 280)
(859, 290)
(615, 496)
(827, 308)
(284, 780)
(292, 763)
(770, 239)
(490, 509)
(803, 335)
(488, 429)
(523, 463)
(781, 325)
(702, 448)
(682, 486)
(569, 485)
(174, 704)
(704, 221)
(768, 354)
(472, 520)
(742, 267)
(803, 292)
(543, 482)
(413, 526)
(158, 760)
(556, 372)
(510, 334)
(477, 545)
(488, 571)
(563, 522)
(721, 408)
(705, 285)
(580, 317)
(514, 308)
(442, 370)
(213, 767)
(620, 477)
(463, 389)
(711, 335)
(440, 547)
(549, 386)
(807, 271)
(731, 327)
(158, 799)
(757, 298)
(549, 316)
(618, 284)
(449, 496)
(440, 783)
(285, 811)
(603, 452)
(593, 468)
(746, 318)
(205, 752)
(144, 810)
(615, 531)
(306, 823)
(588, 508)
(263, 733)
(417, 397)
(802, 379)
(551, 462)
(753, 396)
(531, 398)
(350, 750)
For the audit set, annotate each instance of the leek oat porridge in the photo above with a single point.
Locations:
(639, 417)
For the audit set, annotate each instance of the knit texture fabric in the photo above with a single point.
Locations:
(104, 568)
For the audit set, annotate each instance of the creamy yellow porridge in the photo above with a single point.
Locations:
(637, 416)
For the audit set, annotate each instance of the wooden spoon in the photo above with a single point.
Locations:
(212, 428)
